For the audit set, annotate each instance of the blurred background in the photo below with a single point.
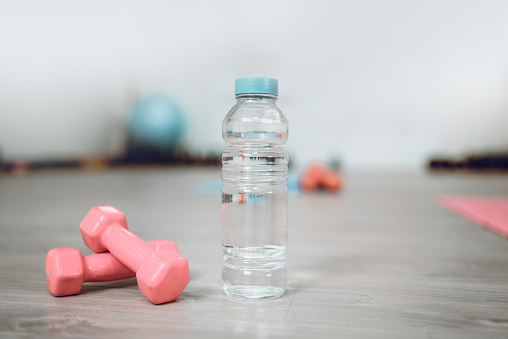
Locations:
(373, 84)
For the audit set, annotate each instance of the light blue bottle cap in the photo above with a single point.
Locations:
(259, 85)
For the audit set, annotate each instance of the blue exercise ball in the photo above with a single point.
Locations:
(156, 121)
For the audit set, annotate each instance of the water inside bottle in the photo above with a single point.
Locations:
(254, 222)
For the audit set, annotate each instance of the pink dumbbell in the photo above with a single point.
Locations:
(162, 274)
(67, 269)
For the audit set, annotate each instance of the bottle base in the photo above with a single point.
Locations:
(243, 292)
(254, 273)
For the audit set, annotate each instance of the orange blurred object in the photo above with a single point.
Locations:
(318, 176)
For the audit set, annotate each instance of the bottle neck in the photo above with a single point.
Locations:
(268, 98)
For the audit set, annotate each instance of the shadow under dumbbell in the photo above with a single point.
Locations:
(100, 286)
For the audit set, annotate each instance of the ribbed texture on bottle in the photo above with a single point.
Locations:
(266, 166)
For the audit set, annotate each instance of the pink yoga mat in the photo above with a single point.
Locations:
(489, 212)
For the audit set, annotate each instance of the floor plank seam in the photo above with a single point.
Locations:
(296, 289)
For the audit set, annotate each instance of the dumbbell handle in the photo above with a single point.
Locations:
(128, 248)
(104, 267)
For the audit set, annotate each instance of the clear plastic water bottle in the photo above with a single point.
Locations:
(254, 194)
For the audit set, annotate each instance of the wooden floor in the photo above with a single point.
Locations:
(380, 260)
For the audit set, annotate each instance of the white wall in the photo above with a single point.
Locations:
(380, 84)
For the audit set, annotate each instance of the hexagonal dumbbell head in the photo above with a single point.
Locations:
(67, 269)
(64, 271)
(163, 277)
(96, 221)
